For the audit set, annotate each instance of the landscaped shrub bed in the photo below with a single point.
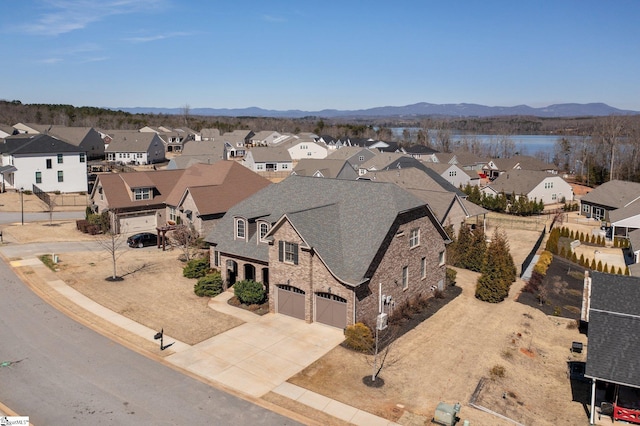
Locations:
(558, 292)
(249, 292)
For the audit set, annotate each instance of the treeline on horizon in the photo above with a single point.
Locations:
(592, 149)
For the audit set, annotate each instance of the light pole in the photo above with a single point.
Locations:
(22, 205)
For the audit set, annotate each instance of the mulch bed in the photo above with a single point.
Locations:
(398, 328)
(563, 287)
(260, 309)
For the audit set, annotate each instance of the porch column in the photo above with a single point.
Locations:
(592, 419)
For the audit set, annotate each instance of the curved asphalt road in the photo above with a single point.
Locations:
(59, 372)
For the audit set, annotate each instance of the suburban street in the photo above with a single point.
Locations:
(16, 217)
(59, 372)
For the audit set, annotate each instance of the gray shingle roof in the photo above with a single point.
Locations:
(262, 154)
(132, 141)
(615, 193)
(344, 221)
(36, 144)
(347, 152)
(213, 149)
(418, 176)
(519, 181)
(330, 168)
(628, 211)
(614, 329)
(524, 161)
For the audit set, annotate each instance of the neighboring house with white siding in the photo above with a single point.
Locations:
(263, 159)
(45, 161)
(304, 147)
(266, 138)
(131, 147)
(536, 185)
(454, 174)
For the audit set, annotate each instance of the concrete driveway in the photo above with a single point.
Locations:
(257, 356)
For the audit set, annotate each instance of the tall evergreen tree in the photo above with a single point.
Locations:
(463, 247)
(477, 250)
(498, 271)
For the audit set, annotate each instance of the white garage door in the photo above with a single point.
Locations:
(141, 223)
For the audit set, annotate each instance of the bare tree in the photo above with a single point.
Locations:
(186, 113)
(112, 243)
(442, 136)
(385, 357)
(609, 132)
(186, 237)
(51, 204)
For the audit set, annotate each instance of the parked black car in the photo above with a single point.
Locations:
(142, 239)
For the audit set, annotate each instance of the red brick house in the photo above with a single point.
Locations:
(323, 247)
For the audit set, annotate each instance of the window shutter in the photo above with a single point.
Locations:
(281, 251)
(295, 254)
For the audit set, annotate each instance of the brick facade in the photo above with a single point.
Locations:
(312, 276)
(395, 254)
(309, 275)
(240, 268)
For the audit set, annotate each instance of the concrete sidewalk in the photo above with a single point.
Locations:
(253, 359)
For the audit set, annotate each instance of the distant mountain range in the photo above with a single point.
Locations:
(421, 109)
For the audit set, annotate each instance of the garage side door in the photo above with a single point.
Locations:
(291, 301)
(331, 310)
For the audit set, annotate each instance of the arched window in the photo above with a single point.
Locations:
(240, 229)
(264, 229)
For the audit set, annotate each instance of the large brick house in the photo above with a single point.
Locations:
(323, 247)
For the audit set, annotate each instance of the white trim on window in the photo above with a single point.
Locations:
(263, 230)
(142, 194)
(405, 277)
(240, 229)
(414, 238)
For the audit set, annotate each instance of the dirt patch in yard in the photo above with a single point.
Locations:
(34, 232)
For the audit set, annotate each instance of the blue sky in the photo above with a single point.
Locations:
(313, 55)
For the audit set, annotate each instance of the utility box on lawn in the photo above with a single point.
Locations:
(446, 414)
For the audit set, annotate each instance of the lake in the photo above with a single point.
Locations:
(524, 144)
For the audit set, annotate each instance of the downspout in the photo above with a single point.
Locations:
(586, 297)
(592, 419)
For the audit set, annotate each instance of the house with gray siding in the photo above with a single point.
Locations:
(610, 196)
